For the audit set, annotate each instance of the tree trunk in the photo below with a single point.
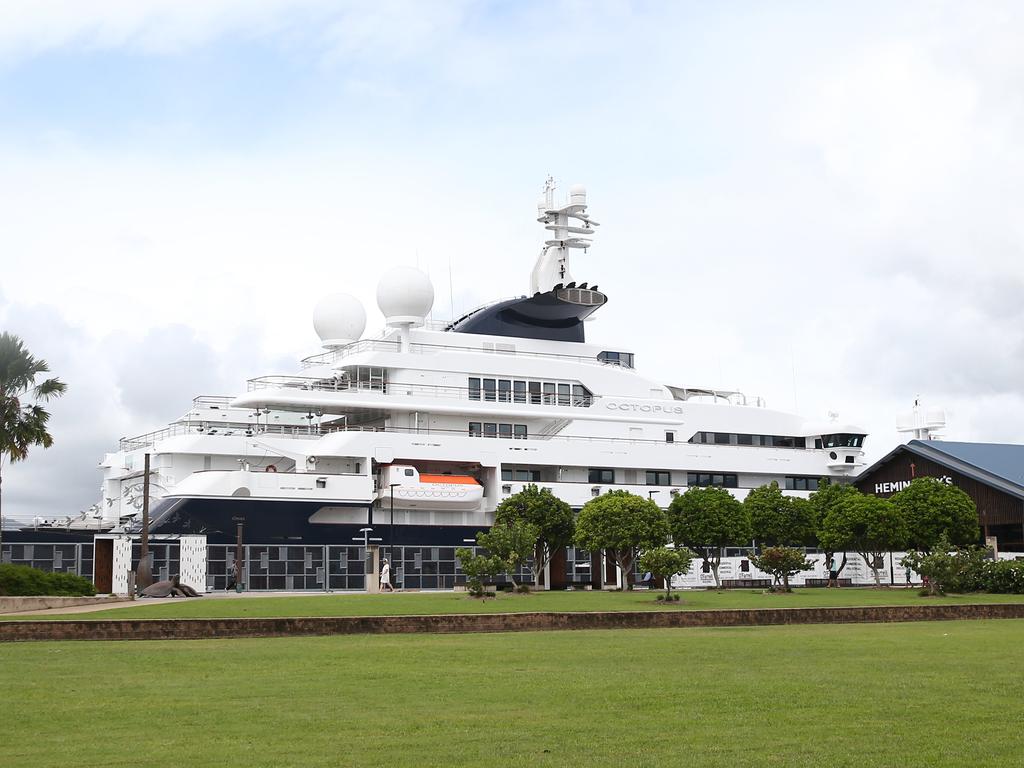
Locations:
(626, 565)
(1, 508)
(714, 572)
(785, 582)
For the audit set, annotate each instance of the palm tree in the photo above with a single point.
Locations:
(22, 418)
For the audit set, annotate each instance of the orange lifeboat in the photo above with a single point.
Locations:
(429, 491)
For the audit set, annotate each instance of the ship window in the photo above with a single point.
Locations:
(409, 472)
(581, 396)
(797, 483)
(744, 439)
(601, 475)
(843, 441)
(474, 429)
(563, 394)
(490, 430)
(670, 437)
(817, 443)
(504, 391)
(519, 391)
(521, 475)
(549, 393)
(705, 479)
(657, 478)
(624, 359)
(474, 389)
(535, 392)
(504, 430)
(489, 386)
(722, 438)
(519, 431)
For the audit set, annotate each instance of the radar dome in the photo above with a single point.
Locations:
(339, 319)
(405, 296)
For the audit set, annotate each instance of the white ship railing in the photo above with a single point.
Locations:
(388, 345)
(315, 432)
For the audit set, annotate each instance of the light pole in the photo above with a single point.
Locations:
(391, 528)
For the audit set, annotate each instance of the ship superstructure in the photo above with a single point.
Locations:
(434, 424)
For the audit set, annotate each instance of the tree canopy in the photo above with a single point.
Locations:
(706, 520)
(512, 543)
(664, 563)
(622, 523)
(23, 420)
(779, 520)
(933, 509)
(867, 525)
(551, 516)
(781, 562)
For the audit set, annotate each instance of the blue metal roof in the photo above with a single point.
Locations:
(1003, 460)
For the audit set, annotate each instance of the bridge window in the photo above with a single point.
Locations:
(623, 359)
(843, 441)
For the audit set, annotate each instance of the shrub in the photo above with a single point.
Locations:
(1004, 576)
(21, 580)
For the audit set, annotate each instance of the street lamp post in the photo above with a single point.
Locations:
(391, 528)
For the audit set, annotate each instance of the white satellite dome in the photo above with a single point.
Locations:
(339, 319)
(405, 296)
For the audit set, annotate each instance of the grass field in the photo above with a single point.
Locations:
(458, 602)
(907, 695)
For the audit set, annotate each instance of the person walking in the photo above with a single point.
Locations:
(910, 579)
(833, 573)
(385, 577)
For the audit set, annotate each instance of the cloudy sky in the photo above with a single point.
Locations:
(817, 202)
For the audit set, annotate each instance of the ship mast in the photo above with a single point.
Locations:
(552, 267)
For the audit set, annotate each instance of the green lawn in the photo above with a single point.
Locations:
(907, 695)
(459, 602)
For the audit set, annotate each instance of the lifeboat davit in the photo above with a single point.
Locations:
(429, 491)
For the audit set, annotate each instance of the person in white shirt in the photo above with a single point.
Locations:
(385, 577)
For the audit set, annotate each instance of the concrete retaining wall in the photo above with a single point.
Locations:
(39, 603)
(180, 629)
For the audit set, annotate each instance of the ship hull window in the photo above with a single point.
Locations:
(708, 479)
(658, 478)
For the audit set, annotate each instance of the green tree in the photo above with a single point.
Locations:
(823, 501)
(553, 518)
(477, 568)
(512, 543)
(933, 509)
(706, 520)
(623, 524)
(664, 563)
(779, 520)
(781, 562)
(867, 525)
(23, 420)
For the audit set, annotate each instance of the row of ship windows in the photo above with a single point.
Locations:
(489, 429)
(534, 392)
(777, 441)
(700, 479)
